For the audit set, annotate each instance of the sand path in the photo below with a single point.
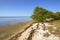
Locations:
(36, 32)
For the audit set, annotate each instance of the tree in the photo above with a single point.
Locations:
(57, 15)
(41, 14)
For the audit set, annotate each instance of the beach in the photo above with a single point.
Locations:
(31, 31)
(30, 20)
(37, 32)
(9, 31)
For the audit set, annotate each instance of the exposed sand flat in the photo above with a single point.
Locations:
(37, 33)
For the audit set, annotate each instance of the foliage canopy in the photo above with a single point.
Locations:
(41, 14)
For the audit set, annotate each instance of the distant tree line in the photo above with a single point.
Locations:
(41, 14)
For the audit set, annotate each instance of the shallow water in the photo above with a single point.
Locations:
(10, 20)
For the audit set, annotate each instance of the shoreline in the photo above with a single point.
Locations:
(19, 33)
(27, 30)
(17, 28)
(13, 24)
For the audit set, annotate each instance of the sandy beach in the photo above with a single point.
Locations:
(30, 31)
(36, 32)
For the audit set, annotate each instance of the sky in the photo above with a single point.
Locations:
(26, 7)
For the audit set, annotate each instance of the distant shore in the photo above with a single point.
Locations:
(9, 31)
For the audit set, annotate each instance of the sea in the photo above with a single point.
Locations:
(13, 19)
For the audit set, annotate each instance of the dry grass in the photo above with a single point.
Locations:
(57, 25)
(7, 31)
(55, 22)
(54, 31)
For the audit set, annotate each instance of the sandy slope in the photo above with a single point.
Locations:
(37, 33)
(26, 34)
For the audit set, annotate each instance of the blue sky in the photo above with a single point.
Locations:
(26, 7)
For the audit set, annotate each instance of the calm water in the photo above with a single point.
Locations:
(10, 20)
